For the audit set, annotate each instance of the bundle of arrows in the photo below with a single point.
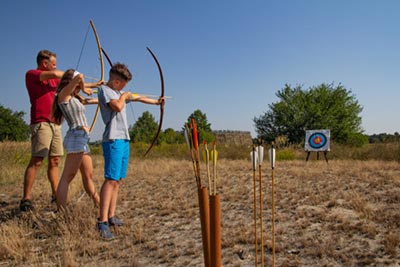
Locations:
(257, 156)
(209, 203)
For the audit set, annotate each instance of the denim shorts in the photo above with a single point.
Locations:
(76, 141)
(116, 157)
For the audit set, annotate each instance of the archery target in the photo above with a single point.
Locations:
(317, 140)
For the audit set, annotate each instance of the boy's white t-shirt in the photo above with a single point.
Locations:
(116, 122)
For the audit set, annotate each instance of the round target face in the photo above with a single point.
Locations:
(317, 140)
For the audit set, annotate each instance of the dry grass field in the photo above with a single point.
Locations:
(345, 213)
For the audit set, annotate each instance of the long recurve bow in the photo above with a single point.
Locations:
(102, 72)
(162, 103)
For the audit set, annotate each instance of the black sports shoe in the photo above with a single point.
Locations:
(25, 205)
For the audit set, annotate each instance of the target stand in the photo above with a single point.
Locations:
(317, 141)
(325, 155)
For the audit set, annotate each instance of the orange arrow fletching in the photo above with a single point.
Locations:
(195, 136)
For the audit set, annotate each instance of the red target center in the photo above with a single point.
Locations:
(317, 140)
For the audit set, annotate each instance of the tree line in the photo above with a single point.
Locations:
(14, 128)
(326, 106)
(145, 128)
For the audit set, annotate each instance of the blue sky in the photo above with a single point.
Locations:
(226, 58)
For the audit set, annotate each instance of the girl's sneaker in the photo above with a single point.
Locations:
(104, 231)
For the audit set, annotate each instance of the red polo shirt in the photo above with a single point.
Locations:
(41, 95)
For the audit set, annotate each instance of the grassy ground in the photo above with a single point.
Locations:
(345, 213)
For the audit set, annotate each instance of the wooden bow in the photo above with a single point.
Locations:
(162, 103)
(102, 72)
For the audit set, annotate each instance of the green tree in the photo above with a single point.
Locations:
(321, 107)
(201, 120)
(170, 136)
(144, 129)
(12, 125)
(203, 127)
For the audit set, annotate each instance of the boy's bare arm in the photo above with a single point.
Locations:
(118, 104)
(148, 100)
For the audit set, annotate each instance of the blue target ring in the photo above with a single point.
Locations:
(317, 140)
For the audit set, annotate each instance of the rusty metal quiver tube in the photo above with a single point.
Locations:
(215, 230)
(205, 223)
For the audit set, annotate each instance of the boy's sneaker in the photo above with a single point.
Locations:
(104, 231)
(25, 205)
(114, 221)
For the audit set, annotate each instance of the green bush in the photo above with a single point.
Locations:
(96, 149)
(285, 154)
(14, 157)
(15, 153)
(357, 140)
(376, 151)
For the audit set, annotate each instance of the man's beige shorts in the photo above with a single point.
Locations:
(46, 140)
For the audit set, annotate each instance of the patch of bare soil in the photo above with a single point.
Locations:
(345, 213)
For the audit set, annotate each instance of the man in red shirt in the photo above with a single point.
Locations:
(46, 137)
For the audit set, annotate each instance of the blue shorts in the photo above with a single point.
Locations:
(116, 156)
(76, 141)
